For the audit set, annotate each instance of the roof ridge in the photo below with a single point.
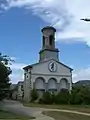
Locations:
(30, 66)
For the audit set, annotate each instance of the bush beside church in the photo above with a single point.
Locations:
(78, 95)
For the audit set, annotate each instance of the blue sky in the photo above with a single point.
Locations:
(20, 33)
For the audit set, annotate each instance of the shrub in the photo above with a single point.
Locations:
(75, 99)
(46, 98)
(40, 101)
(85, 95)
(34, 95)
(53, 98)
(79, 95)
(62, 97)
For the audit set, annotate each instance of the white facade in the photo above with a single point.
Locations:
(48, 74)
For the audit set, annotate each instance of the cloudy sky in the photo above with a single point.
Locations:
(20, 35)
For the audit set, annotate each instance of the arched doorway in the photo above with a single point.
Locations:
(40, 85)
(64, 84)
(52, 85)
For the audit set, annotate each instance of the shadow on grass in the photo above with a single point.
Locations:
(9, 115)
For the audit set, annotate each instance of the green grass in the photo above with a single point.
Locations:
(8, 115)
(80, 108)
(65, 116)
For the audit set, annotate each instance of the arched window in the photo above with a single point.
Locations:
(39, 83)
(52, 84)
(64, 83)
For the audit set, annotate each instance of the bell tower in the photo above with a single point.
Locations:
(48, 44)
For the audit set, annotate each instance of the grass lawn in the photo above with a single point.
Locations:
(12, 116)
(65, 116)
(80, 108)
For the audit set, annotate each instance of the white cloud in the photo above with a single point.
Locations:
(13, 58)
(17, 72)
(16, 76)
(17, 66)
(81, 74)
(65, 15)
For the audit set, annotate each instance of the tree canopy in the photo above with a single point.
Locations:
(5, 71)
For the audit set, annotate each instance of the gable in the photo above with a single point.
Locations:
(43, 68)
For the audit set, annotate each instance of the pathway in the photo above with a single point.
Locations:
(17, 107)
(68, 111)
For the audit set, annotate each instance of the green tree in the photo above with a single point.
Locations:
(5, 71)
(85, 95)
(80, 95)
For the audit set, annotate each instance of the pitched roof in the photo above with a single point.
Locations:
(31, 66)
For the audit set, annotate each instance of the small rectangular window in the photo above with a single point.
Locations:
(51, 40)
(43, 41)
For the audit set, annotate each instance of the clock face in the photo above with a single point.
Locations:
(52, 66)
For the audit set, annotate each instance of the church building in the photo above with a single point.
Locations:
(48, 74)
